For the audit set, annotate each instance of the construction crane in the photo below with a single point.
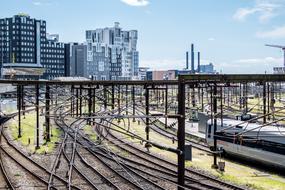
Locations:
(278, 46)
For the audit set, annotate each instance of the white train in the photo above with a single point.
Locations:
(264, 144)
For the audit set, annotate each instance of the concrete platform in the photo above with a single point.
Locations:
(191, 128)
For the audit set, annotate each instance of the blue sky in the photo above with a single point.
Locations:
(229, 33)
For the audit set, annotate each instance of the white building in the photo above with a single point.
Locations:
(142, 73)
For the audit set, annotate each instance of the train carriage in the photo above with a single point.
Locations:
(265, 144)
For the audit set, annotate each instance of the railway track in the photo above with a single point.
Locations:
(5, 180)
(35, 174)
(151, 167)
(90, 165)
(151, 174)
(75, 173)
(191, 174)
(65, 165)
(131, 178)
(32, 167)
(163, 166)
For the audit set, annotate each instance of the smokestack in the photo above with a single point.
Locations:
(198, 69)
(187, 60)
(284, 56)
(192, 58)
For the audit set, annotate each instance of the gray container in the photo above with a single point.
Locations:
(203, 118)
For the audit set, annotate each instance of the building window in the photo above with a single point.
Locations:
(101, 66)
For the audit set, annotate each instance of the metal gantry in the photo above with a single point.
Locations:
(190, 90)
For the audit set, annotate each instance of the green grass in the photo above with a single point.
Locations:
(88, 130)
(85, 109)
(234, 172)
(28, 125)
(258, 108)
(140, 131)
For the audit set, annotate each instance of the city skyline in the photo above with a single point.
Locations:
(231, 35)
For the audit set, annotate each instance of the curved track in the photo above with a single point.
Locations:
(81, 163)
(162, 166)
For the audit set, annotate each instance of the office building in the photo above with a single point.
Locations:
(24, 44)
(78, 60)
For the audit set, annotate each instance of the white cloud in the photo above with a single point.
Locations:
(43, 3)
(136, 2)
(163, 64)
(240, 66)
(169, 64)
(211, 39)
(242, 13)
(278, 32)
(37, 3)
(260, 61)
(250, 65)
(265, 9)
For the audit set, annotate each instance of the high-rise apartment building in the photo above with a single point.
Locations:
(24, 44)
(112, 53)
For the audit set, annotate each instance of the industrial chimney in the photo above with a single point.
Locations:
(198, 69)
(192, 58)
(187, 60)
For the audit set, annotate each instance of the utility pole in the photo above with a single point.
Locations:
(134, 103)
(181, 133)
(166, 106)
(147, 112)
(2, 60)
(37, 117)
(264, 102)
(19, 111)
(47, 118)
(215, 109)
